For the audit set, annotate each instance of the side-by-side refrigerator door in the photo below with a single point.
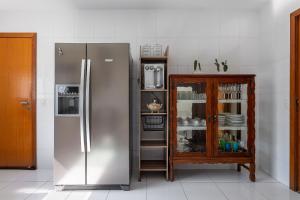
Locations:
(108, 121)
(69, 138)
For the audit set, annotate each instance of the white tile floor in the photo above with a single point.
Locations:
(189, 185)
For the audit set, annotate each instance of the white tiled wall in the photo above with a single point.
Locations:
(191, 34)
(273, 76)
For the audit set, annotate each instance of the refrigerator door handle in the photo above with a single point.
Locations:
(87, 106)
(81, 105)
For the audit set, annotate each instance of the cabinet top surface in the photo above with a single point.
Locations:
(212, 75)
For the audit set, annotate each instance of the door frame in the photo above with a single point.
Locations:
(294, 95)
(33, 36)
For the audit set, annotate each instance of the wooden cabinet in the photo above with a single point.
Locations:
(212, 120)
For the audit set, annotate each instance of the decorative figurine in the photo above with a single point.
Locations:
(155, 106)
(196, 63)
(225, 66)
(217, 64)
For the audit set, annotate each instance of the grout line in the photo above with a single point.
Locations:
(221, 191)
(37, 189)
(8, 183)
(107, 195)
(146, 187)
(69, 194)
(183, 190)
(260, 193)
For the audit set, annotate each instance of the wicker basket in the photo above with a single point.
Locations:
(153, 123)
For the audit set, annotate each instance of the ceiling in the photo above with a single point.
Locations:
(166, 4)
(127, 4)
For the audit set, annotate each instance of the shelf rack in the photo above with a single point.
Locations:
(232, 100)
(159, 144)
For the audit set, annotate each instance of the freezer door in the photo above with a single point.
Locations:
(108, 158)
(69, 137)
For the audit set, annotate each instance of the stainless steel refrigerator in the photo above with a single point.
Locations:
(92, 116)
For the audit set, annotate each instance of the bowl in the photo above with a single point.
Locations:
(154, 107)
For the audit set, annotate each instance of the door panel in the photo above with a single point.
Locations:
(297, 96)
(17, 102)
(69, 160)
(192, 117)
(108, 159)
(231, 127)
(68, 59)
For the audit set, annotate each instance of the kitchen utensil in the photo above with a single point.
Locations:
(154, 75)
(154, 106)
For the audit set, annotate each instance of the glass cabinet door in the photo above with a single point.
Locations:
(191, 117)
(232, 109)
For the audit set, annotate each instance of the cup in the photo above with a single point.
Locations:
(227, 147)
(235, 146)
(222, 145)
(242, 144)
(203, 122)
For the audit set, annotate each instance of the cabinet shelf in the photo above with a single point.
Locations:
(233, 128)
(154, 58)
(69, 96)
(191, 128)
(153, 165)
(154, 144)
(232, 100)
(154, 90)
(191, 101)
(145, 114)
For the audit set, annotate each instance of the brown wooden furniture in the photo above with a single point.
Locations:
(153, 140)
(18, 100)
(212, 120)
(294, 101)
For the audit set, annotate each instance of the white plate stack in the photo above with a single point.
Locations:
(221, 119)
(234, 120)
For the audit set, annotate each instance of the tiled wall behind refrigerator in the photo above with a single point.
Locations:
(191, 34)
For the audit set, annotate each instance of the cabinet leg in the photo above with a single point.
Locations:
(171, 172)
(139, 176)
(238, 167)
(252, 172)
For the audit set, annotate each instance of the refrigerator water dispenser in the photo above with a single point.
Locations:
(67, 100)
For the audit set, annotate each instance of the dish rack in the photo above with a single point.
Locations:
(153, 123)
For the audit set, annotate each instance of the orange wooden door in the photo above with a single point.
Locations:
(297, 97)
(17, 100)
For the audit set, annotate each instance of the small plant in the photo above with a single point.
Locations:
(217, 64)
(225, 66)
(196, 63)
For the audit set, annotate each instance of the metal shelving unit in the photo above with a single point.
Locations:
(160, 137)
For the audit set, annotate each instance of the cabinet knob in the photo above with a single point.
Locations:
(215, 117)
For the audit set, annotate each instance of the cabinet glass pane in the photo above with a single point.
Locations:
(191, 117)
(232, 118)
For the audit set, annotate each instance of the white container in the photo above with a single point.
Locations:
(146, 50)
(156, 50)
(151, 50)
